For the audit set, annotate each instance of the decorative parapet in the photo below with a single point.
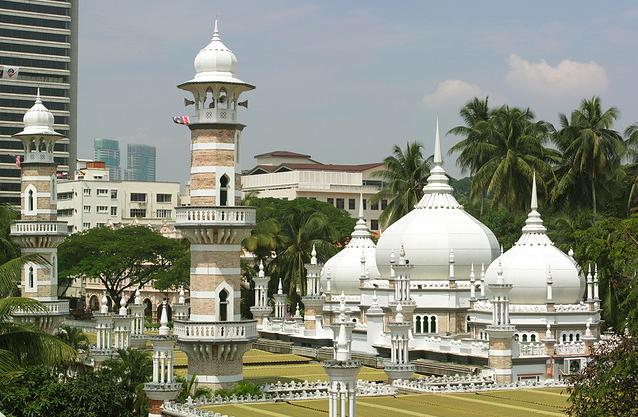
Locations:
(58, 307)
(217, 331)
(565, 308)
(570, 348)
(215, 216)
(453, 384)
(468, 346)
(528, 349)
(26, 228)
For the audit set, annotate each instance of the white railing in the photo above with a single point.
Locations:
(52, 307)
(216, 115)
(215, 215)
(36, 228)
(227, 330)
(528, 349)
(572, 307)
(570, 348)
(447, 344)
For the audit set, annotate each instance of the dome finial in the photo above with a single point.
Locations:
(361, 203)
(280, 288)
(534, 203)
(438, 158)
(37, 96)
(313, 255)
(216, 36)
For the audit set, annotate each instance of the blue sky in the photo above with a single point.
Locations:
(344, 80)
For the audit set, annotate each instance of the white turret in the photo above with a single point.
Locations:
(163, 330)
(104, 307)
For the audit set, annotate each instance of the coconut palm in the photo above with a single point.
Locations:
(406, 173)
(592, 151)
(513, 149)
(472, 152)
(631, 142)
(74, 337)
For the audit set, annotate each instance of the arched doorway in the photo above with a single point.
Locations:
(148, 307)
(94, 303)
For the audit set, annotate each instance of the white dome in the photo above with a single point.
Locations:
(527, 264)
(437, 225)
(345, 267)
(215, 62)
(38, 120)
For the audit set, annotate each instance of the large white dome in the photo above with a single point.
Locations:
(345, 267)
(527, 264)
(216, 62)
(38, 119)
(437, 225)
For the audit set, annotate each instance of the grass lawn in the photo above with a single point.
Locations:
(520, 403)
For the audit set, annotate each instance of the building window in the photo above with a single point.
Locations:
(384, 204)
(31, 278)
(223, 305)
(331, 201)
(164, 198)
(87, 209)
(139, 197)
(65, 196)
(223, 190)
(113, 211)
(365, 204)
(374, 224)
(351, 204)
(100, 224)
(65, 212)
(374, 206)
(86, 225)
(138, 212)
(163, 213)
(102, 209)
(87, 192)
(113, 194)
(102, 192)
(425, 324)
(340, 203)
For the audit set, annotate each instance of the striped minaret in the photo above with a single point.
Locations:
(38, 233)
(215, 337)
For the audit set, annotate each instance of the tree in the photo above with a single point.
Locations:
(131, 369)
(74, 337)
(631, 143)
(406, 173)
(511, 151)
(592, 151)
(122, 259)
(472, 148)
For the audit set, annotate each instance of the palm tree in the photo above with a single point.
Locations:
(265, 239)
(406, 173)
(132, 368)
(631, 143)
(476, 115)
(512, 150)
(591, 149)
(74, 337)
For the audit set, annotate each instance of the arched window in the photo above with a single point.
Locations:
(468, 326)
(94, 303)
(524, 338)
(223, 99)
(148, 307)
(564, 337)
(223, 190)
(31, 277)
(30, 199)
(30, 208)
(571, 337)
(417, 324)
(223, 305)
(209, 96)
(433, 324)
(532, 338)
(578, 337)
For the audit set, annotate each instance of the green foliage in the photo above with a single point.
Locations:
(122, 259)
(190, 389)
(406, 173)
(131, 369)
(608, 386)
(74, 337)
(38, 392)
(242, 388)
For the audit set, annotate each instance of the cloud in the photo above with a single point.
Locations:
(452, 93)
(565, 80)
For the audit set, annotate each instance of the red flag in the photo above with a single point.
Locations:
(18, 161)
(182, 120)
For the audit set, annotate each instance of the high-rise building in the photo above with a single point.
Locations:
(108, 151)
(38, 50)
(140, 163)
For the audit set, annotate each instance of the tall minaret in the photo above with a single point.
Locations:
(38, 232)
(215, 337)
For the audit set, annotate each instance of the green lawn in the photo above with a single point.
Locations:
(520, 403)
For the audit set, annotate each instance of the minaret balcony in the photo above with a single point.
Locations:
(221, 331)
(38, 157)
(214, 115)
(38, 228)
(215, 216)
(54, 308)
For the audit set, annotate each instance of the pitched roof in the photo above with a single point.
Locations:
(329, 167)
(286, 154)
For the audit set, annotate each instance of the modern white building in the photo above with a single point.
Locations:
(527, 314)
(86, 203)
(291, 175)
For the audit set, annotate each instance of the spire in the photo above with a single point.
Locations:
(38, 100)
(138, 297)
(182, 298)
(280, 288)
(534, 203)
(123, 311)
(550, 294)
(361, 227)
(482, 281)
(261, 273)
(216, 36)
(163, 330)
(313, 256)
(361, 203)
(499, 273)
(104, 308)
(438, 159)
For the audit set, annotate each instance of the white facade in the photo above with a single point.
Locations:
(85, 204)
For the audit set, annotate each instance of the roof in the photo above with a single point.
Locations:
(287, 154)
(261, 169)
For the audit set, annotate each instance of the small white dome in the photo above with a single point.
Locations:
(345, 267)
(215, 62)
(38, 119)
(437, 225)
(526, 266)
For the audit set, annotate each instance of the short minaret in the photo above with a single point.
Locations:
(374, 321)
(550, 293)
(500, 331)
(590, 289)
(472, 287)
(400, 282)
(104, 330)
(281, 305)
(38, 232)
(342, 370)
(482, 296)
(122, 324)
(180, 309)
(549, 342)
(399, 366)
(138, 338)
(596, 297)
(451, 275)
(214, 222)
(313, 301)
(163, 388)
(261, 309)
